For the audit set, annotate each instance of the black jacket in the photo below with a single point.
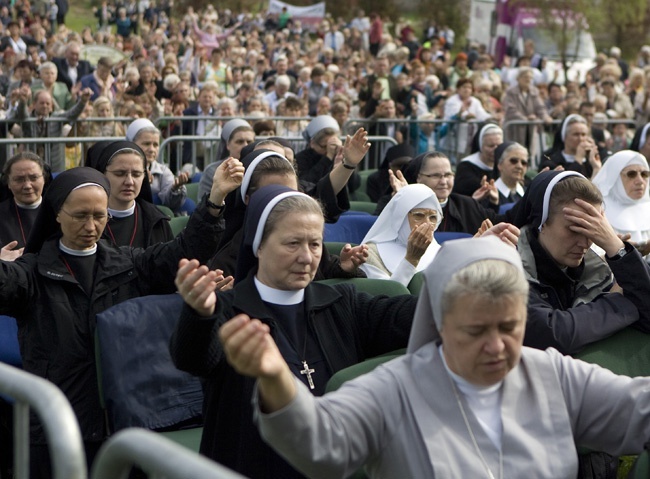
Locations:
(83, 68)
(463, 214)
(349, 326)
(155, 225)
(14, 228)
(468, 178)
(56, 317)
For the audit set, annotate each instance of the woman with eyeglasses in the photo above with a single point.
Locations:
(401, 241)
(134, 219)
(623, 181)
(510, 166)
(25, 174)
(68, 275)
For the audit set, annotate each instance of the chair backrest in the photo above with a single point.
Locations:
(166, 210)
(178, 223)
(372, 286)
(359, 369)
(364, 206)
(9, 349)
(416, 283)
(192, 191)
(626, 352)
(141, 387)
(188, 207)
(442, 236)
(350, 229)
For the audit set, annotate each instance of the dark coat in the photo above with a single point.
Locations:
(349, 326)
(463, 214)
(569, 309)
(557, 159)
(56, 317)
(155, 225)
(11, 227)
(83, 68)
(468, 178)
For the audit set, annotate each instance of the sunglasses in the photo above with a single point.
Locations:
(514, 161)
(631, 174)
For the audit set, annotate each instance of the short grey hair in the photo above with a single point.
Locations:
(491, 279)
(283, 80)
(48, 66)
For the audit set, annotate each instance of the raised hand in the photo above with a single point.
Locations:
(356, 147)
(227, 177)
(590, 221)
(196, 284)
(8, 253)
(353, 257)
(506, 232)
(397, 180)
(419, 240)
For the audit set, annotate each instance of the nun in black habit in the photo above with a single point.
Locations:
(135, 221)
(68, 275)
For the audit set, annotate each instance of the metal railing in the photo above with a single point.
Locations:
(156, 456)
(58, 420)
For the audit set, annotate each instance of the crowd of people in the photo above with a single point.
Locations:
(285, 118)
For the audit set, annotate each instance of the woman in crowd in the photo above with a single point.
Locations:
(466, 372)
(510, 166)
(478, 167)
(85, 276)
(235, 135)
(397, 157)
(103, 108)
(574, 149)
(62, 97)
(322, 136)
(401, 241)
(170, 190)
(623, 182)
(461, 107)
(25, 174)
(576, 297)
(134, 220)
(320, 329)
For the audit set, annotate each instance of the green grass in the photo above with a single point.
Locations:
(80, 16)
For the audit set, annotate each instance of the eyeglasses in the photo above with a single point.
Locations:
(514, 161)
(20, 180)
(631, 174)
(439, 176)
(84, 217)
(420, 217)
(136, 174)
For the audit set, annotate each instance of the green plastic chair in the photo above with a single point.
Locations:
(178, 223)
(335, 247)
(365, 206)
(416, 283)
(166, 210)
(372, 286)
(193, 191)
(641, 467)
(626, 352)
(361, 194)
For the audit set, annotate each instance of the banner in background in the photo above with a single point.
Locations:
(309, 16)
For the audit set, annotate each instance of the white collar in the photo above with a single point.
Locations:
(475, 159)
(569, 158)
(279, 296)
(33, 206)
(122, 213)
(78, 252)
(505, 190)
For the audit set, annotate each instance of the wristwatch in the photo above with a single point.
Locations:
(619, 254)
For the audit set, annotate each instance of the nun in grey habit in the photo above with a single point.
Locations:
(449, 408)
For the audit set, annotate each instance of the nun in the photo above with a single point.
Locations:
(320, 329)
(320, 156)
(134, 219)
(577, 297)
(458, 404)
(623, 182)
(397, 157)
(574, 149)
(510, 167)
(401, 241)
(68, 275)
(479, 166)
(265, 165)
(170, 190)
(235, 135)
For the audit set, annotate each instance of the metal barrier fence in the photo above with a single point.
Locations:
(156, 456)
(59, 422)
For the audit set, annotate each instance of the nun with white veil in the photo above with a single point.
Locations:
(401, 241)
(467, 399)
(623, 182)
